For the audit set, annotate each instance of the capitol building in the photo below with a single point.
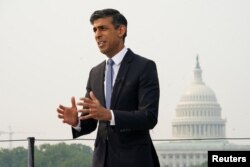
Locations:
(196, 126)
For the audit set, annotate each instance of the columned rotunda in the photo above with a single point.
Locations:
(197, 127)
(198, 114)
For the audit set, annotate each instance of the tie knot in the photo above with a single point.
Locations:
(110, 62)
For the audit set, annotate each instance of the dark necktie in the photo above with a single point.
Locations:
(109, 81)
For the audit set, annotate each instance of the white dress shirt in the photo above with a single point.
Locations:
(117, 63)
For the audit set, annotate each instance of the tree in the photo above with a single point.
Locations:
(13, 158)
(46, 155)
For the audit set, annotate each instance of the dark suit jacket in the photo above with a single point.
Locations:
(135, 100)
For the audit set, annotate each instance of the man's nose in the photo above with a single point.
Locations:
(97, 33)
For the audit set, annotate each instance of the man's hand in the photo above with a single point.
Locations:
(94, 109)
(69, 115)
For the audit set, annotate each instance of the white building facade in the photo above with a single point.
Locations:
(198, 114)
(198, 117)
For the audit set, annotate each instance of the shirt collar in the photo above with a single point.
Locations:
(119, 56)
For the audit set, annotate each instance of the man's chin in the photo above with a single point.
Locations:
(103, 51)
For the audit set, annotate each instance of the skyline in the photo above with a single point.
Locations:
(47, 49)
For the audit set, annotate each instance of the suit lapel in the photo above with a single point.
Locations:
(121, 76)
(100, 84)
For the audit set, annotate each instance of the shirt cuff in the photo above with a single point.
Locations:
(112, 121)
(78, 126)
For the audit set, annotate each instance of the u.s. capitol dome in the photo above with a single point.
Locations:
(197, 127)
(198, 114)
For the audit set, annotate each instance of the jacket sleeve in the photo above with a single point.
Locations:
(87, 126)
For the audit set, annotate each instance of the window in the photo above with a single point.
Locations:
(197, 156)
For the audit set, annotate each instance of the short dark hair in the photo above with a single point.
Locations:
(117, 18)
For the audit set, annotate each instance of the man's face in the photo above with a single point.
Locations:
(109, 40)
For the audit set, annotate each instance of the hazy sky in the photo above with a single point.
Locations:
(47, 48)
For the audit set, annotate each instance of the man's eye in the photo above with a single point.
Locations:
(103, 28)
(100, 29)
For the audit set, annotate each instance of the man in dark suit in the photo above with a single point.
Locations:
(125, 112)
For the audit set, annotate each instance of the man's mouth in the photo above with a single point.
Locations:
(101, 43)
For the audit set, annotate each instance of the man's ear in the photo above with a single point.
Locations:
(122, 30)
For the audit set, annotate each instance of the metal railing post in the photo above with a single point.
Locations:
(31, 142)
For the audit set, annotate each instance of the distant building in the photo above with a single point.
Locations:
(198, 116)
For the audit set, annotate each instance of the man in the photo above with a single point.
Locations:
(122, 99)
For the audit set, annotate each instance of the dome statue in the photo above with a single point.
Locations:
(198, 120)
(198, 114)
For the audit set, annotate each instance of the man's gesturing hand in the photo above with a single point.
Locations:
(69, 115)
(93, 109)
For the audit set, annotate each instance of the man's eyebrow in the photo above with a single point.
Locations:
(99, 27)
